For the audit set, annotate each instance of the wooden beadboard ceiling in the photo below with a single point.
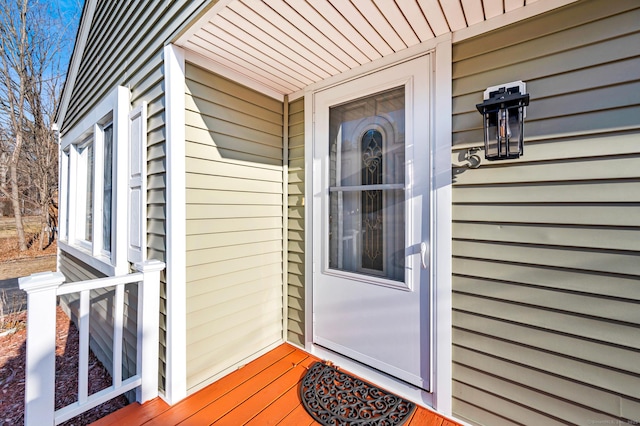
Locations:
(286, 45)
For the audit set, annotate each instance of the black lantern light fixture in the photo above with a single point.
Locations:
(503, 112)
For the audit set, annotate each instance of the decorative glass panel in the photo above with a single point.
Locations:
(366, 184)
(372, 215)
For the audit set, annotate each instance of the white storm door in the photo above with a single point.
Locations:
(371, 293)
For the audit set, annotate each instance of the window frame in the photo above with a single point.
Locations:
(112, 111)
(85, 159)
(103, 128)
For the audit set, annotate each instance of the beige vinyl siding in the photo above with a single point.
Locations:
(295, 220)
(234, 224)
(546, 277)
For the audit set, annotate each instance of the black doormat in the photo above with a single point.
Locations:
(333, 397)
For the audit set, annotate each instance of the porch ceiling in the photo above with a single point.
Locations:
(285, 45)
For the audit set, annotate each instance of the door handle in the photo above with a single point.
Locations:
(423, 254)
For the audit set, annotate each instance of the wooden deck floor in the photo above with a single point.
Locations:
(263, 392)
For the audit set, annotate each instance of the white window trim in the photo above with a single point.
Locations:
(114, 108)
(63, 193)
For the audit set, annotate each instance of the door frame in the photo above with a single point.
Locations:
(440, 216)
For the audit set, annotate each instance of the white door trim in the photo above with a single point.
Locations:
(441, 228)
(440, 250)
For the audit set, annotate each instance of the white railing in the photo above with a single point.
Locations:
(42, 292)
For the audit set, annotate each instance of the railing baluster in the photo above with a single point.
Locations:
(42, 291)
(83, 355)
(117, 334)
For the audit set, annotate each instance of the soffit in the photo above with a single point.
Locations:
(286, 45)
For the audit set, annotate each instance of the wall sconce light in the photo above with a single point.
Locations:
(503, 112)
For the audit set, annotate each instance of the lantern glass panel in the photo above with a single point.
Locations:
(503, 132)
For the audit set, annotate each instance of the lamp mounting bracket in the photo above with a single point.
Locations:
(514, 87)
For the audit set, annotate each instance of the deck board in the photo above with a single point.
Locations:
(263, 392)
(297, 417)
(278, 410)
(241, 414)
(237, 396)
(134, 414)
(211, 393)
(425, 418)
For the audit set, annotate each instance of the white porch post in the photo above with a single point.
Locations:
(176, 345)
(148, 328)
(41, 346)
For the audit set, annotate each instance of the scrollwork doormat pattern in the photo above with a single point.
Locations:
(334, 398)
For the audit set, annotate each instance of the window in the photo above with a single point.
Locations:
(367, 191)
(86, 190)
(91, 184)
(107, 181)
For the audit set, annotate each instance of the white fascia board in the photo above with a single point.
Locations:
(295, 95)
(224, 71)
(201, 21)
(76, 58)
(519, 14)
(176, 357)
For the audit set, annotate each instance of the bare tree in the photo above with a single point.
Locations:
(31, 38)
(41, 157)
(13, 83)
(42, 98)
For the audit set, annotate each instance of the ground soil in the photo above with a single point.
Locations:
(15, 264)
(12, 374)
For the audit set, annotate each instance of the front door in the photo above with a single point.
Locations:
(371, 292)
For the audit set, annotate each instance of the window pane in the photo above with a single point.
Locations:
(370, 243)
(366, 227)
(67, 205)
(108, 172)
(87, 158)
